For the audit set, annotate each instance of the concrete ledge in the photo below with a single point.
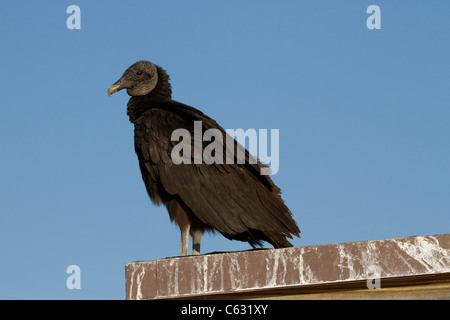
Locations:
(421, 263)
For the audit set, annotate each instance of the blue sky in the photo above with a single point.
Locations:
(363, 116)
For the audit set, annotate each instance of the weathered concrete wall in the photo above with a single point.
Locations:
(254, 270)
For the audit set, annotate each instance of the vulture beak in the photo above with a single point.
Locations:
(113, 89)
(119, 85)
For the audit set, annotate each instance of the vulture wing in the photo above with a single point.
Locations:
(235, 199)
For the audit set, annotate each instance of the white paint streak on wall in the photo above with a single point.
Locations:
(427, 252)
(139, 278)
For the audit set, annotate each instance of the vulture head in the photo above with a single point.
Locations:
(139, 79)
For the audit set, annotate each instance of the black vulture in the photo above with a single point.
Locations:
(234, 199)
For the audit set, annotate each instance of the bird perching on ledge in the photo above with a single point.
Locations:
(234, 198)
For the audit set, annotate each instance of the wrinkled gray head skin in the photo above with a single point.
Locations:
(139, 79)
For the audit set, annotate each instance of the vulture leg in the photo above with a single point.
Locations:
(196, 237)
(185, 240)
